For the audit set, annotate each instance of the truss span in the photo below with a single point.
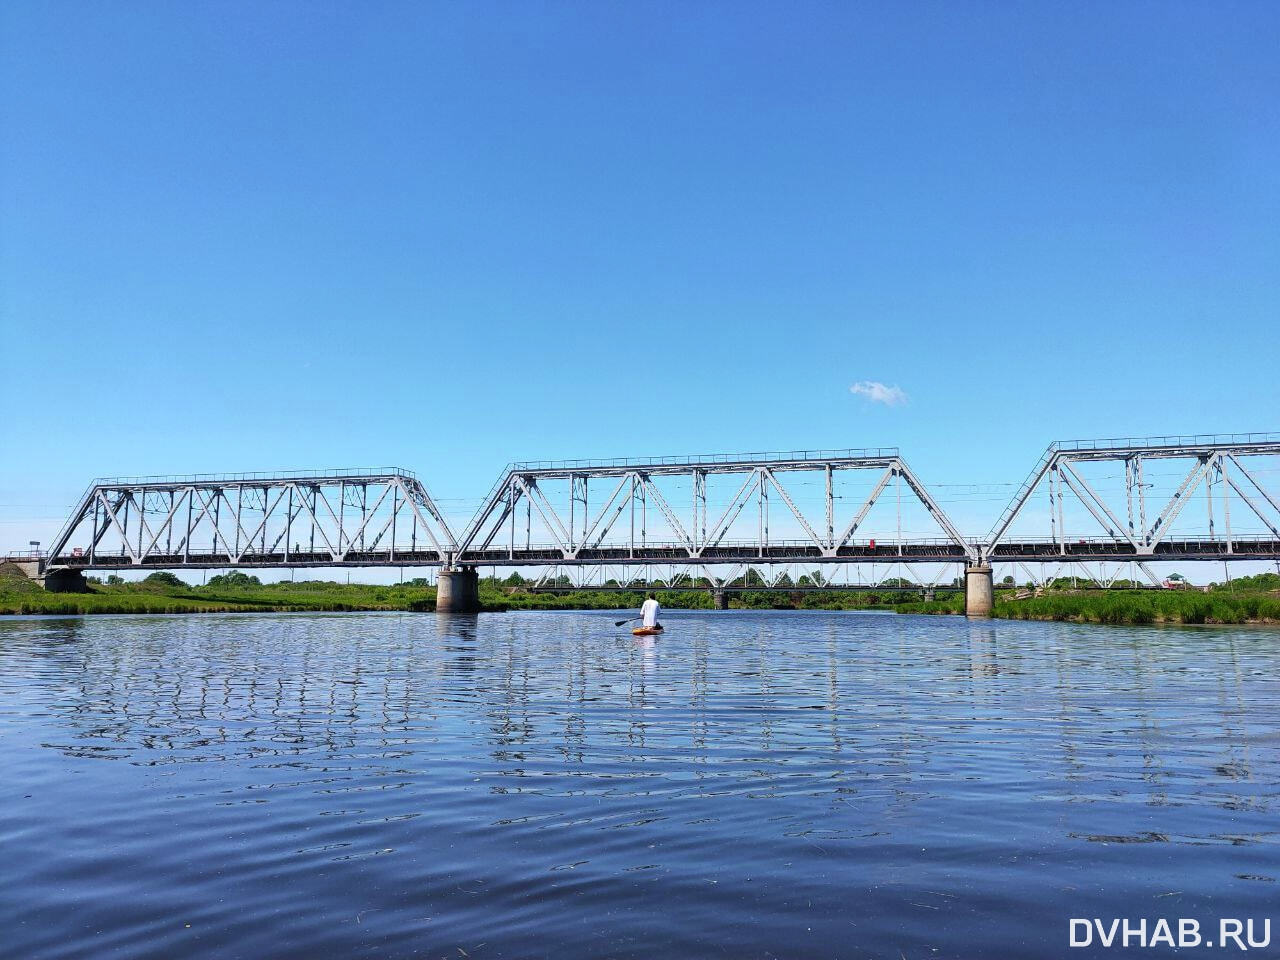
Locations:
(640, 495)
(1104, 501)
(1101, 501)
(301, 518)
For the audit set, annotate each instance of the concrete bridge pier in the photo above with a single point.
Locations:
(720, 599)
(55, 581)
(65, 581)
(979, 591)
(458, 590)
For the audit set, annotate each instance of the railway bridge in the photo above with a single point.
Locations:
(1098, 501)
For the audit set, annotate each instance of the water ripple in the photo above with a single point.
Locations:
(751, 785)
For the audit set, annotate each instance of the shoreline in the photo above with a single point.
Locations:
(1247, 601)
(1215, 608)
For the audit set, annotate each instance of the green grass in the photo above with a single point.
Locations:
(1147, 606)
(163, 598)
(1247, 600)
(738, 600)
(948, 604)
(163, 593)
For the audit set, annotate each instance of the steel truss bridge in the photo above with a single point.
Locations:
(594, 515)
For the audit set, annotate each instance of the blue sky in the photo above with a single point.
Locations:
(246, 236)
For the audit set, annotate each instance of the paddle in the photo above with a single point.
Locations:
(632, 620)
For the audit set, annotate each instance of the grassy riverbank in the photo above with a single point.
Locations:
(1240, 603)
(238, 593)
(168, 598)
(1248, 600)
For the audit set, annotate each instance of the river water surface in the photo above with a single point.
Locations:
(546, 785)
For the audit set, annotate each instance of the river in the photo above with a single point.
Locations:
(790, 784)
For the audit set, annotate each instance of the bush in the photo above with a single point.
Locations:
(1262, 581)
(234, 579)
(163, 578)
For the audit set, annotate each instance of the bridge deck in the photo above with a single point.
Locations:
(923, 552)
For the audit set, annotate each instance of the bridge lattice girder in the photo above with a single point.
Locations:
(321, 518)
(1141, 529)
(580, 533)
(386, 517)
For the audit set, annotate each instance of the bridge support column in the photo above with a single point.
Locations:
(979, 594)
(458, 591)
(720, 599)
(65, 581)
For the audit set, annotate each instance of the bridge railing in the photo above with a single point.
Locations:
(760, 458)
(330, 473)
(745, 544)
(1175, 441)
(1109, 541)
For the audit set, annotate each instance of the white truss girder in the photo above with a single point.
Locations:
(634, 486)
(1211, 458)
(386, 516)
(237, 518)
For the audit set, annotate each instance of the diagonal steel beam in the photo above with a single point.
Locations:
(441, 551)
(798, 515)
(315, 521)
(669, 514)
(1179, 500)
(1106, 518)
(416, 491)
(495, 497)
(931, 505)
(508, 499)
(207, 505)
(1257, 486)
(194, 524)
(367, 515)
(863, 511)
(1249, 502)
(267, 511)
(143, 527)
(124, 536)
(548, 513)
(167, 520)
(586, 536)
(292, 516)
(739, 502)
(222, 492)
(1021, 498)
(102, 532)
(395, 512)
(1155, 581)
(623, 503)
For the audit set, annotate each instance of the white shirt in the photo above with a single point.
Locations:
(649, 610)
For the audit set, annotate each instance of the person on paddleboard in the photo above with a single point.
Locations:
(649, 611)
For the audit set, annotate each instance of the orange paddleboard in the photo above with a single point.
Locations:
(646, 631)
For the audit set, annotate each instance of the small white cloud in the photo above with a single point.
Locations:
(877, 392)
